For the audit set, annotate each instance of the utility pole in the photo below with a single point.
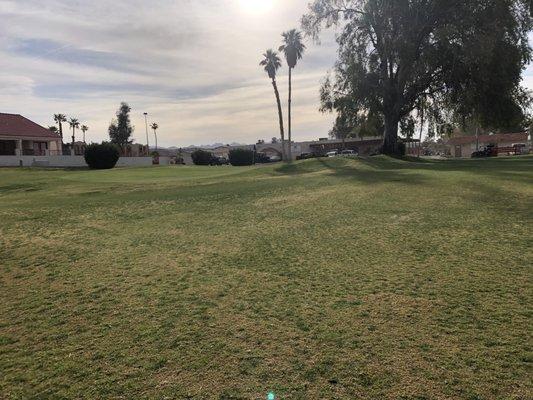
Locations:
(146, 123)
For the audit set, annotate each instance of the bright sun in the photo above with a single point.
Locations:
(256, 6)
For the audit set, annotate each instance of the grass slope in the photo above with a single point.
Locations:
(325, 279)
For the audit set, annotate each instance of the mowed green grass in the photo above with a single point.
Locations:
(325, 279)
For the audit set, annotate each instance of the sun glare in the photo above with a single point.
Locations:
(256, 6)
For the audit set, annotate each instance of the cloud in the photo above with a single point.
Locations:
(191, 64)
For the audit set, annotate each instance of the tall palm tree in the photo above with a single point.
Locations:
(74, 123)
(154, 127)
(271, 63)
(293, 48)
(59, 119)
(84, 128)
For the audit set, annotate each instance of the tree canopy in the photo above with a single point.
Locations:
(465, 57)
(120, 129)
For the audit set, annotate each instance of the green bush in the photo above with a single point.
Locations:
(202, 157)
(101, 156)
(241, 157)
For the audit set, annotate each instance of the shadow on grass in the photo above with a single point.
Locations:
(360, 170)
(387, 169)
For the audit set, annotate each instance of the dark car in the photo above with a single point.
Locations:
(305, 156)
(219, 161)
(488, 151)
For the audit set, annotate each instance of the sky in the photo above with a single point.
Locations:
(192, 65)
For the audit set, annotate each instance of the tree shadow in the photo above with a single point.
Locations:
(364, 172)
(413, 171)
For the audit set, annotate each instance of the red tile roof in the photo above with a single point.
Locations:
(17, 126)
(490, 139)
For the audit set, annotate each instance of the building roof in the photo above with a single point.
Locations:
(490, 139)
(17, 126)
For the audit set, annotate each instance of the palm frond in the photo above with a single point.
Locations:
(292, 47)
(271, 63)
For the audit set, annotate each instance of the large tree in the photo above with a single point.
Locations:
(393, 54)
(271, 63)
(293, 49)
(120, 129)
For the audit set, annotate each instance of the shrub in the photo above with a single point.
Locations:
(241, 157)
(101, 156)
(202, 157)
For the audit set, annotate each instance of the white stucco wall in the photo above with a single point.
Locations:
(73, 161)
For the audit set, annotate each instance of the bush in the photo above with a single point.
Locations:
(202, 157)
(241, 157)
(101, 156)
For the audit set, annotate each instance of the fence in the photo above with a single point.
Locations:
(57, 161)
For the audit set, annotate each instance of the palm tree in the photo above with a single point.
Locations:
(59, 119)
(84, 128)
(271, 63)
(154, 126)
(293, 48)
(74, 123)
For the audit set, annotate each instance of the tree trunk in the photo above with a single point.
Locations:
(421, 130)
(73, 136)
(280, 113)
(61, 131)
(290, 122)
(390, 141)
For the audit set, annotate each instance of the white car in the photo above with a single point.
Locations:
(333, 153)
(349, 153)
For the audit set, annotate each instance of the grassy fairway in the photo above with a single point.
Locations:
(326, 279)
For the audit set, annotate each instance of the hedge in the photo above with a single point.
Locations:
(101, 156)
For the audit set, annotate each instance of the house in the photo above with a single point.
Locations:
(21, 137)
(505, 143)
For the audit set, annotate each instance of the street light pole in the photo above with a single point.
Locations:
(146, 123)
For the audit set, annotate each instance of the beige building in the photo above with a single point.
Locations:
(21, 137)
(505, 144)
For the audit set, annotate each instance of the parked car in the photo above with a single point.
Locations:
(262, 158)
(333, 153)
(275, 159)
(488, 151)
(520, 148)
(349, 153)
(305, 156)
(219, 161)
